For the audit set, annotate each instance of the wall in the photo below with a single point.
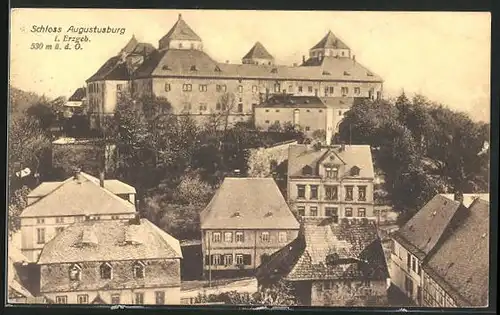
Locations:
(158, 273)
(259, 160)
(330, 52)
(349, 293)
(111, 95)
(252, 245)
(434, 295)
(399, 271)
(310, 119)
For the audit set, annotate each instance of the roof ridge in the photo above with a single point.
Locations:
(128, 204)
(54, 190)
(176, 249)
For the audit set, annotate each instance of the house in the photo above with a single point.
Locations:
(457, 273)
(246, 221)
(53, 206)
(332, 264)
(310, 113)
(331, 181)
(76, 103)
(195, 83)
(421, 237)
(111, 262)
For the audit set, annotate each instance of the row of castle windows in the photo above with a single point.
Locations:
(106, 271)
(331, 192)
(332, 212)
(239, 237)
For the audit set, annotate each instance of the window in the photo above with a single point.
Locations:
(362, 193)
(203, 106)
(344, 90)
(82, 298)
(313, 211)
(203, 87)
(40, 221)
(370, 93)
(265, 237)
(331, 193)
(159, 297)
(40, 236)
(264, 258)
(282, 237)
(180, 45)
(332, 172)
(60, 220)
(254, 88)
(308, 128)
(331, 211)
(331, 89)
(327, 285)
(75, 272)
(239, 236)
(240, 108)
(340, 113)
(301, 210)
(301, 191)
(240, 88)
(357, 90)
(300, 89)
(59, 229)
(106, 271)
(228, 259)
(408, 261)
(314, 192)
(187, 87)
(228, 237)
(61, 299)
(408, 286)
(414, 264)
(326, 91)
(115, 299)
(216, 237)
(267, 121)
(277, 87)
(239, 259)
(349, 193)
(138, 270)
(379, 95)
(348, 212)
(139, 298)
(361, 212)
(277, 110)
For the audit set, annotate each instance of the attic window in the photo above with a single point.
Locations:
(307, 170)
(326, 73)
(347, 73)
(193, 68)
(139, 270)
(274, 70)
(88, 238)
(332, 259)
(369, 74)
(355, 171)
(165, 67)
(434, 213)
(236, 214)
(75, 272)
(217, 69)
(106, 271)
(269, 214)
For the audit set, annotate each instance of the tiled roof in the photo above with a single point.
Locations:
(113, 185)
(355, 245)
(258, 51)
(469, 198)
(425, 228)
(248, 203)
(294, 101)
(179, 62)
(150, 242)
(129, 47)
(78, 197)
(330, 41)
(462, 259)
(352, 155)
(79, 95)
(181, 31)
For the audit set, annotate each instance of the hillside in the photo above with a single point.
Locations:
(20, 100)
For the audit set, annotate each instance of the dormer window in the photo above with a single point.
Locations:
(355, 171)
(193, 68)
(307, 170)
(332, 172)
(369, 74)
(346, 73)
(106, 271)
(274, 70)
(139, 270)
(75, 272)
(165, 67)
(326, 73)
(332, 259)
(217, 69)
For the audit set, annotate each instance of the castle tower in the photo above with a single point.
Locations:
(181, 36)
(258, 55)
(330, 45)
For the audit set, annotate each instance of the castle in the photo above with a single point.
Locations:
(194, 83)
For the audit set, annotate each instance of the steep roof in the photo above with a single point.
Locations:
(179, 62)
(181, 31)
(424, 230)
(78, 95)
(150, 242)
(248, 203)
(469, 198)
(81, 196)
(293, 101)
(129, 47)
(258, 51)
(15, 286)
(462, 260)
(330, 41)
(355, 245)
(302, 155)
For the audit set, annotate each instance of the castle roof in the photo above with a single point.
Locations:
(258, 51)
(330, 41)
(181, 31)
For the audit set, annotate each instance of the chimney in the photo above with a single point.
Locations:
(227, 61)
(101, 179)
(295, 64)
(354, 58)
(237, 173)
(303, 59)
(76, 174)
(180, 16)
(342, 147)
(459, 196)
(136, 220)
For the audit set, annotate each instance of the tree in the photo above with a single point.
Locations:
(17, 202)
(220, 119)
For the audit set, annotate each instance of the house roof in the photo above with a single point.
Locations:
(330, 41)
(462, 259)
(181, 31)
(81, 196)
(129, 47)
(258, 51)
(179, 62)
(78, 95)
(16, 288)
(149, 242)
(354, 243)
(293, 101)
(248, 203)
(469, 198)
(424, 230)
(303, 155)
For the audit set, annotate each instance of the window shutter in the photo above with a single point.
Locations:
(247, 260)
(207, 260)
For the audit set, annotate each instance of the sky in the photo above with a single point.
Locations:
(442, 55)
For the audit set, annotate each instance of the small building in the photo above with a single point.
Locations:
(245, 222)
(76, 104)
(332, 264)
(258, 55)
(111, 262)
(53, 206)
(331, 181)
(421, 237)
(309, 113)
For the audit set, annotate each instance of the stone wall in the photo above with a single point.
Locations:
(349, 293)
